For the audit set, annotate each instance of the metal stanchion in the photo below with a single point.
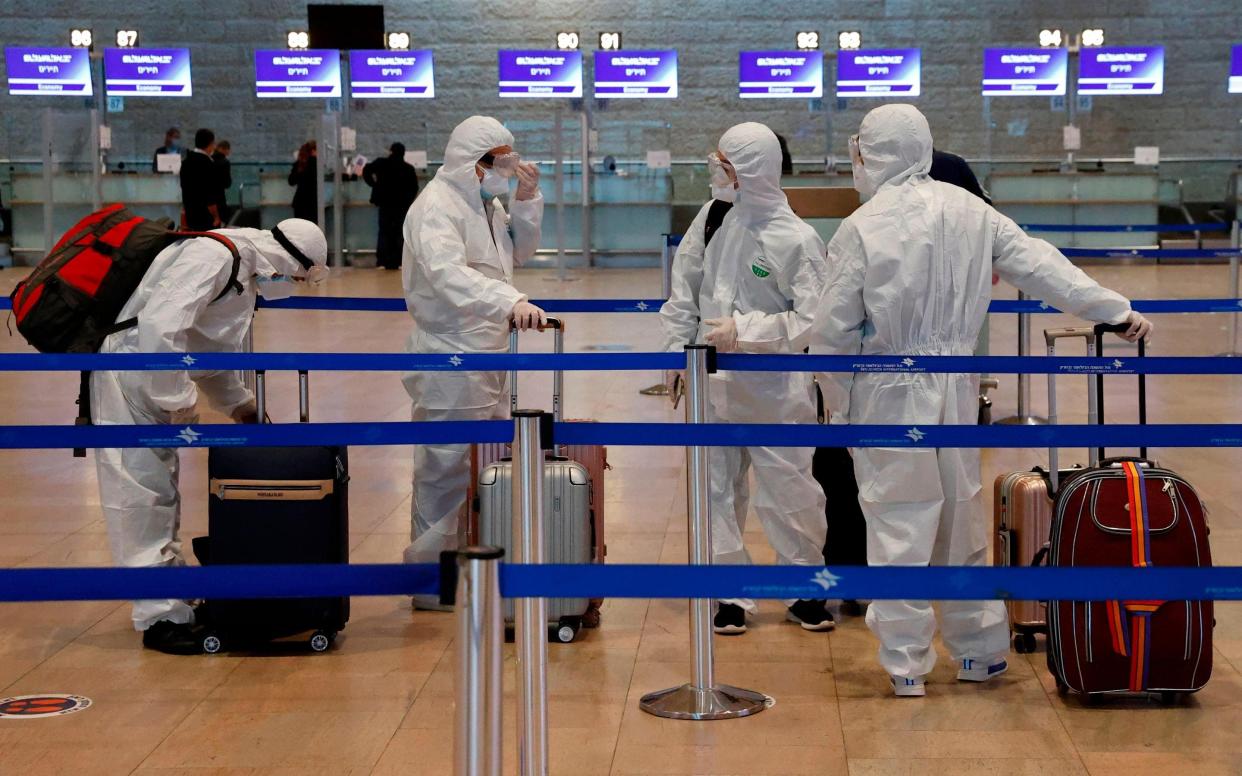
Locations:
(531, 620)
(1232, 352)
(702, 698)
(480, 632)
(666, 289)
(1024, 416)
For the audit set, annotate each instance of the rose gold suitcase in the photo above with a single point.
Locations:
(594, 458)
(1022, 514)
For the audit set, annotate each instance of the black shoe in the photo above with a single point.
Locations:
(173, 638)
(853, 608)
(730, 620)
(812, 615)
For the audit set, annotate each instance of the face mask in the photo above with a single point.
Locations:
(720, 177)
(862, 184)
(724, 193)
(275, 287)
(494, 184)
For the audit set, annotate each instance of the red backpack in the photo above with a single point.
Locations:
(70, 302)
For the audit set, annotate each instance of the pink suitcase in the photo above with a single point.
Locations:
(594, 458)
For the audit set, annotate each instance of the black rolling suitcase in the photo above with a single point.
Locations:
(275, 505)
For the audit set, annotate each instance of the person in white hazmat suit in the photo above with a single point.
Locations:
(185, 303)
(753, 289)
(910, 274)
(460, 250)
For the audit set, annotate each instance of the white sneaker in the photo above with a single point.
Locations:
(907, 687)
(981, 670)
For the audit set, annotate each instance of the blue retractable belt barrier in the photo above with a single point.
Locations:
(631, 581)
(1149, 253)
(492, 362)
(1214, 226)
(641, 434)
(397, 304)
(1149, 306)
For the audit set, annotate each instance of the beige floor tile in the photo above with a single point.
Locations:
(1161, 763)
(911, 766)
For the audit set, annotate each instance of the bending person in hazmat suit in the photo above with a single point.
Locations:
(753, 288)
(188, 302)
(910, 274)
(460, 250)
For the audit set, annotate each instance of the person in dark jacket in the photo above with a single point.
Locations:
(394, 185)
(172, 145)
(951, 168)
(786, 157)
(224, 172)
(200, 185)
(305, 177)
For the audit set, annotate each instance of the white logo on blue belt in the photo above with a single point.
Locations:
(188, 435)
(907, 362)
(642, 306)
(188, 360)
(455, 360)
(825, 579)
(915, 434)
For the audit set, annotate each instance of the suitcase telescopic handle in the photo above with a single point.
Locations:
(260, 395)
(558, 377)
(1100, 330)
(1051, 337)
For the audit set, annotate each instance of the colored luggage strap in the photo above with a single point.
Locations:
(1135, 641)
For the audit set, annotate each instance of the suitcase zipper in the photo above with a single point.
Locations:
(271, 490)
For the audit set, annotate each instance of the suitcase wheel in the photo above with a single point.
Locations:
(1024, 643)
(1062, 688)
(566, 630)
(212, 643)
(320, 641)
(1170, 698)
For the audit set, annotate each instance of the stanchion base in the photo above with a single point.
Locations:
(690, 702)
(659, 389)
(1021, 420)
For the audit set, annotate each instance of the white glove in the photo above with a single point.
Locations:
(528, 181)
(724, 336)
(246, 413)
(1139, 329)
(527, 316)
(186, 416)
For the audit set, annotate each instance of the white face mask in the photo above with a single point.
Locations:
(724, 193)
(494, 184)
(275, 287)
(720, 177)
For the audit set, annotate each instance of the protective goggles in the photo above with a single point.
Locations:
(315, 273)
(504, 164)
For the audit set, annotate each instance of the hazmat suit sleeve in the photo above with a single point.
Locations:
(526, 222)
(438, 244)
(801, 280)
(182, 292)
(679, 315)
(1039, 269)
(839, 318)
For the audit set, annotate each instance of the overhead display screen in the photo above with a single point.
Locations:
(1121, 70)
(879, 73)
(1019, 72)
(636, 74)
(1235, 71)
(780, 74)
(133, 72)
(527, 73)
(48, 71)
(311, 73)
(387, 74)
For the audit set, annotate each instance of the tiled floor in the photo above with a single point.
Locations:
(381, 702)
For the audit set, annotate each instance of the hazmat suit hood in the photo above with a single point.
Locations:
(895, 143)
(470, 140)
(270, 258)
(755, 154)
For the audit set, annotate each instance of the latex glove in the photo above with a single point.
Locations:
(528, 181)
(246, 413)
(1139, 329)
(186, 416)
(527, 316)
(724, 335)
(675, 382)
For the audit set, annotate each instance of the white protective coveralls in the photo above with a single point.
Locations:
(458, 272)
(910, 274)
(765, 269)
(176, 314)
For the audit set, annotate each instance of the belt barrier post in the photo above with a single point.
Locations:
(1024, 416)
(1232, 352)
(666, 290)
(702, 698)
(531, 622)
(477, 744)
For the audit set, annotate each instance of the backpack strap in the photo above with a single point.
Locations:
(233, 284)
(715, 217)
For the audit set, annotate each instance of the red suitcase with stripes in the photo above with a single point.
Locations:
(1129, 512)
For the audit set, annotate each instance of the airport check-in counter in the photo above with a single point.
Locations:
(823, 207)
(1081, 198)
